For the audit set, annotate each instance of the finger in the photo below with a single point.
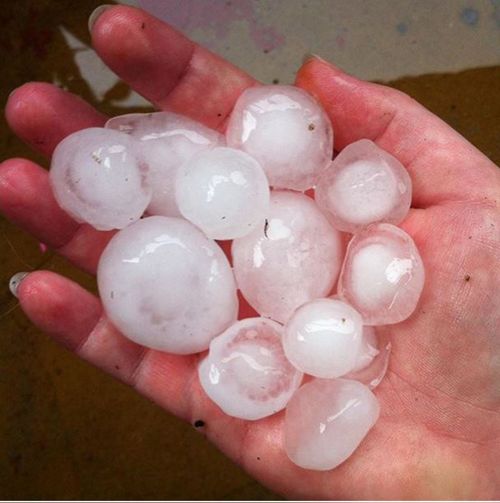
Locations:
(442, 164)
(42, 115)
(167, 68)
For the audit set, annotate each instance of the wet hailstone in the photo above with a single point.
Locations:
(96, 178)
(224, 192)
(326, 420)
(246, 372)
(293, 258)
(382, 275)
(323, 338)
(167, 286)
(166, 141)
(363, 185)
(286, 130)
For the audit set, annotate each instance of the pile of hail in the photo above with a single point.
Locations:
(321, 269)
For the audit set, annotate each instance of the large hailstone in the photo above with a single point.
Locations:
(383, 274)
(96, 178)
(363, 185)
(293, 258)
(246, 372)
(167, 141)
(286, 130)
(224, 192)
(323, 338)
(326, 420)
(167, 286)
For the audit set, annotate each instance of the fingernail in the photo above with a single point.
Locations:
(96, 13)
(310, 55)
(16, 281)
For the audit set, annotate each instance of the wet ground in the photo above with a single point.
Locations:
(66, 430)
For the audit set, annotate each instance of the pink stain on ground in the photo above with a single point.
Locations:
(215, 15)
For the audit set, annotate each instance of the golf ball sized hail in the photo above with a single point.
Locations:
(246, 372)
(224, 192)
(167, 286)
(286, 130)
(96, 178)
(323, 338)
(383, 275)
(363, 185)
(326, 420)
(291, 259)
(166, 141)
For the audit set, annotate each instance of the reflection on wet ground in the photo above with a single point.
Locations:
(66, 430)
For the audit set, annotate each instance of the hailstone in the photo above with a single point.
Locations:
(286, 130)
(323, 338)
(383, 274)
(167, 141)
(363, 185)
(96, 178)
(166, 286)
(224, 192)
(246, 372)
(326, 420)
(291, 259)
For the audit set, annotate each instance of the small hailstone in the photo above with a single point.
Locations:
(368, 350)
(291, 259)
(323, 338)
(166, 286)
(167, 141)
(224, 192)
(96, 178)
(363, 185)
(246, 372)
(326, 420)
(383, 275)
(286, 130)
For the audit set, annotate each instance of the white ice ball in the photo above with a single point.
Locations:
(96, 178)
(326, 420)
(295, 257)
(286, 130)
(363, 185)
(224, 192)
(166, 286)
(323, 338)
(368, 350)
(246, 372)
(167, 141)
(383, 274)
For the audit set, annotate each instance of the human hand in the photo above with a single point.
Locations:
(439, 430)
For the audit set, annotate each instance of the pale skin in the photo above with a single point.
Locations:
(439, 431)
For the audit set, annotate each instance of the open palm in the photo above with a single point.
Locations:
(439, 431)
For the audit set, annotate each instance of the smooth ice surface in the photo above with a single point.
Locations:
(224, 192)
(97, 178)
(167, 141)
(293, 258)
(323, 338)
(363, 185)
(326, 420)
(368, 350)
(286, 130)
(383, 274)
(166, 286)
(246, 372)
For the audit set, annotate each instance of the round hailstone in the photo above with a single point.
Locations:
(246, 372)
(167, 141)
(293, 258)
(96, 178)
(224, 192)
(326, 420)
(363, 185)
(286, 130)
(323, 338)
(166, 286)
(383, 275)
(369, 348)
